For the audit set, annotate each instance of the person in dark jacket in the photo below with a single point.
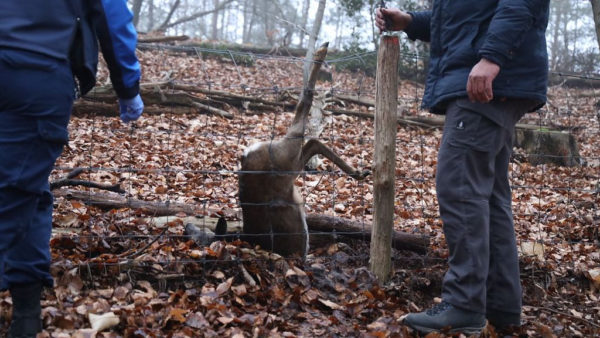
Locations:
(43, 46)
(488, 67)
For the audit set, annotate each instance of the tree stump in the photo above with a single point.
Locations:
(548, 146)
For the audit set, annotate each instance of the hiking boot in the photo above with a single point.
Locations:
(448, 318)
(504, 321)
(26, 316)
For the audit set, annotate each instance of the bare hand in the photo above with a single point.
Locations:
(398, 20)
(479, 85)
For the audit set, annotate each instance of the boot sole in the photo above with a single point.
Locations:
(465, 330)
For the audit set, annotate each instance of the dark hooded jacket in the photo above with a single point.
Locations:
(510, 33)
(69, 31)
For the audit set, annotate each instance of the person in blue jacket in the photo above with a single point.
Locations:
(48, 52)
(488, 67)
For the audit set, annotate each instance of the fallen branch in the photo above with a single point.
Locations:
(70, 182)
(156, 39)
(213, 110)
(407, 121)
(360, 230)
(85, 106)
(112, 201)
(363, 101)
(316, 223)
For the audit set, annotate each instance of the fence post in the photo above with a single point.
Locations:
(386, 106)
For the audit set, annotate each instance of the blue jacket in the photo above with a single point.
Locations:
(69, 30)
(510, 33)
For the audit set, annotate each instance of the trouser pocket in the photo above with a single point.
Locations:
(468, 129)
(27, 158)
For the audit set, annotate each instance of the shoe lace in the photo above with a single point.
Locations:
(438, 308)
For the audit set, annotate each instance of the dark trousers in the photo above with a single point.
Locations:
(474, 196)
(36, 95)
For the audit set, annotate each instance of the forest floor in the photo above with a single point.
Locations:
(159, 283)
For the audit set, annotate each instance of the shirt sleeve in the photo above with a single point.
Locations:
(118, 39)
(507, 29)
(420, 26)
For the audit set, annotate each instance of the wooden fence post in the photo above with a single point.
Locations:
(386, 106)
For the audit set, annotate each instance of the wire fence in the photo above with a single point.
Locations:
(172, 164)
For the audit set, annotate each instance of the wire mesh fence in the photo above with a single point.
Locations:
(181, 164)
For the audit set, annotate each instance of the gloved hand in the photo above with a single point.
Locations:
(131, 109)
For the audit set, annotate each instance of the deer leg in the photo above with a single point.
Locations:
(316, 147)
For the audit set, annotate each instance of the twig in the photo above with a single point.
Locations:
(74, 173)
(247, 275)
(213, 110)
(568, 315)
(139, 252)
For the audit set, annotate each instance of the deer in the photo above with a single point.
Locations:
(272, 207)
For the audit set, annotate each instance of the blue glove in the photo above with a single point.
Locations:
(131, 109)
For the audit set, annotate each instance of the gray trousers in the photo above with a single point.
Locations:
(474, 196)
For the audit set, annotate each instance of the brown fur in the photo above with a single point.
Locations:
(272, 208)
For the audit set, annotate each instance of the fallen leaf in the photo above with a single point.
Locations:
(103, 321)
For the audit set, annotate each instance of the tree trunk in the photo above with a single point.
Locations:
(248, 36)
(165, 23)
(313, 37)
(338, 29)
(215, 22)
(305, 9)
(556, 31)
(596, 13)
(150, 25)
(245, 18)
(136, 9)
(374, 30)
(566, 64)
(223, 29)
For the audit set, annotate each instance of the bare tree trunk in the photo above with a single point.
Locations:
(165, 23)
(556, 31)
(596, 13)
(269, 25)
(136, 9)
(150, 25)
(223, 29)
(338, 29)
(305, 9)
(168, 24)
(248, 35)
(374, 31)
(566, 41)
(313, 37)
(245, 16)
(215, 22)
